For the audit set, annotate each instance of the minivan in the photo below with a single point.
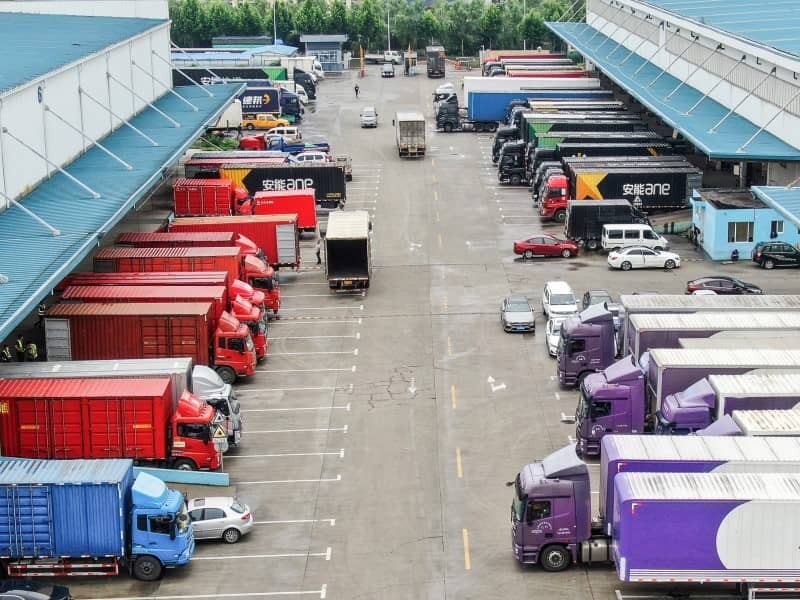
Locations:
(639, 234)
(290, 134)
(369, 118)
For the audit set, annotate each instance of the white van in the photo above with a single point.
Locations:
(639, 234)
(289, 134)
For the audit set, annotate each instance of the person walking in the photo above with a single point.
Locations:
(5, 355)
(19, 348)
(41, 311)
(318, 248)
(356, 89)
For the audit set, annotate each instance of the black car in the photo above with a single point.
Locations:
(722, 285)
(776, 254)
(26, 589)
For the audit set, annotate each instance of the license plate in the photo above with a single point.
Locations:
(348, 282)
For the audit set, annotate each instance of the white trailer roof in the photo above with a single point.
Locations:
(76, 368)
(705, 448)
(770, 487)
(409, 115)
(763, 384)
(755, 358)
(661, 302)
(347, 225)
(717, 320)
(519, 84)
(768, 422)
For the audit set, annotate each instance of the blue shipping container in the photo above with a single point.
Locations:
(64, 508)
(491, 106)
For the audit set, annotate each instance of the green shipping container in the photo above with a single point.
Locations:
(276, 73)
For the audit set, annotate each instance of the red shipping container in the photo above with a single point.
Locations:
(276, 235)
(217, 295)
(299, 202)
(135, 330)
(549, 74)
(190, 239)
(85, 418)
(205, 196)
(166, 260)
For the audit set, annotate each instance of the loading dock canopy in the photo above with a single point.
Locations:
(36, 256)
(735, 138)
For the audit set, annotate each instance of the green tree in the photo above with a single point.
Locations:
(311, 17)
(368, 24)
(285, 18)
(337, 17)
(533, 29)
(248, 21)
(220, 19)
(188, 23)
(491, 24)
(428, 29)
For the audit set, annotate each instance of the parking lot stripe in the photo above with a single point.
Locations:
(453, 396)
(313, 337)
(458, 464)
(449, 346)
(332, 522)
(360, 307)
(301, 321)
(351, 352)
(340, 454)
(293, 389)
(342, 429)
(269, 481)
(465, 540)
(326, 555)
(306, 296)
(346, 407)
(352, 369)
(321, 592)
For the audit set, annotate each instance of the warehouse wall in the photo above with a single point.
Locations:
(146, 9)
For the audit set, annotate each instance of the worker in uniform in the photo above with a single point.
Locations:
(19, 348)
(41, 310)
(357, 89)
(5, 355)
(31, 352)
(318, 247)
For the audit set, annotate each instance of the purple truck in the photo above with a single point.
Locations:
(626, 397)
(708, 399)
(768, 423)
(719, 526)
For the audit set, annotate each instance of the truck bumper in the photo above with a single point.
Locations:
(526, 556)
(565, 378)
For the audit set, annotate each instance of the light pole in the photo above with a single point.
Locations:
(388, 30)
(274, 21)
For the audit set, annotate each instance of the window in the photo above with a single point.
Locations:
(196, 515)
(576, 346)
(615, 234)
(538, 509)
(600, 409)
(222, 342)
(160, 524)
(195, 431)
(141, 522)
(214, 513)
(740, 232)
(236, 344)
(649, 235)
(631, 234)
(776, 228)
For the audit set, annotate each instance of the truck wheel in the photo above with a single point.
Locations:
(227, 374)
(768, 263)
(184, 464)
(626, 266)
(592, 245)
(515, 180)
(147, 568)
(492, 127)
(231, 535)
(479, 128)
(560, 216)
(448, 127)
(555, 559)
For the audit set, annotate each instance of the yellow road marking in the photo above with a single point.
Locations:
(458, 464)
(449, 346)
(453, 396)
(465, 539)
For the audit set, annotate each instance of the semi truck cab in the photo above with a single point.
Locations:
(555, 197)
(503, 135)
(234, 351)
(588, 344)
(193, 435)
(263, 279)
(611, 401)
(254, 319)
(207, 385)
(687, 411)
(511, 168)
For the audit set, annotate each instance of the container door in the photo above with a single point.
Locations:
(25, 517)
(33, 424)
(57, 339)
(287, 244)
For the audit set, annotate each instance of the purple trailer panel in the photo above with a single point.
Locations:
(676, 527)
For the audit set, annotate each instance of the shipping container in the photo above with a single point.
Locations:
(327, 181)
(166, 260)
(276, 235)
(205, 197)
(209, 167)
(299, 202)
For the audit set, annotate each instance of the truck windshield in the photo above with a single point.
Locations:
(262, 283)
(518, 503)
(582, 410)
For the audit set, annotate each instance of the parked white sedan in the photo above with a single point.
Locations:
(553, 334)
(639, 257)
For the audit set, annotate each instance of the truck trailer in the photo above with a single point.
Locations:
(434, 60)
(150, 330)
(299, 202)
(107, 418)
(276, 235)
(206, 197)
(585, 219)
(409, 128)
(90, 517)
(202, 381)
(759, 423)
(348, 257)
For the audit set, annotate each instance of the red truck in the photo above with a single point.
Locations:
(276, 235)
(107, 418)
(100, 331)
(240, 308)
(299, 202)
(207, 197)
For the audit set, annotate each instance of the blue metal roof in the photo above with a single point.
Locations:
(34, 45)
(784, 200)
(725, 143)
(43, 259)
(775, 24)
(34, 471)
(232, 54)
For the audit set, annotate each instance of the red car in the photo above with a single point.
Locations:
(545, 245)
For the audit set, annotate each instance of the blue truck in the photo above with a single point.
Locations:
(493, 106)
(258, 99)
(89, 517)
(279, 144)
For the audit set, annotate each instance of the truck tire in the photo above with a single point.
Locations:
(560, 216)
(227, 374)
(147, 568)
(492, 127)
(448, 127)
(479, 128)
(515, 180)
(231, 535)
(554, 559)
(592, 245)
(184, 464)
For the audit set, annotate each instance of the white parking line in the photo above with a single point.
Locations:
(288, 283)
(321, 592)
(331, 388)
(351, 369)
(340, 454)
(346, 407)
(311, 430)
(283, 296)
(326, 555)
(360, 307)
(316, 322)
(269, 481)
(314, 337)
(332, 522)
(351, 352)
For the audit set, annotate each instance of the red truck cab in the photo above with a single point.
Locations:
(555, 197)
(234, 348)
(264, 280)
(193, 433)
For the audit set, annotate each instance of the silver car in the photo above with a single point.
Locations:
(220, 517)
(516, 314)
(553, 334)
